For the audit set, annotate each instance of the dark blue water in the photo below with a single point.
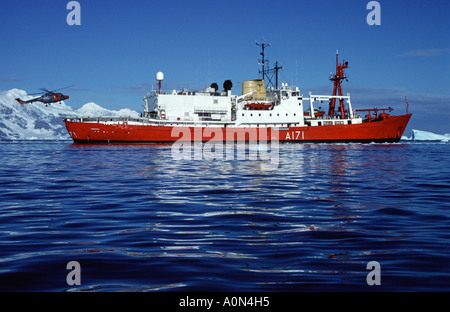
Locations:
(135, 219)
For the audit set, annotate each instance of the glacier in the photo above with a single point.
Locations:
(36, 121)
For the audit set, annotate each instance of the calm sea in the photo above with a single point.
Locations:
(135, 219)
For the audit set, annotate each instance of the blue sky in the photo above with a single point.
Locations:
(113, 56)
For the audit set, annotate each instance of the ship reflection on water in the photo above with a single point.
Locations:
(136, 219)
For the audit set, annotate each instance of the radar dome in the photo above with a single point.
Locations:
(159, 76)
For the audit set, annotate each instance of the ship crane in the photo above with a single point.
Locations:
(337, 79)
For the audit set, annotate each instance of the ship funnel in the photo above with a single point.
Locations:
(227, 85)
(215, 86)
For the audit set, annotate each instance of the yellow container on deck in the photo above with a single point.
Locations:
(258, 85)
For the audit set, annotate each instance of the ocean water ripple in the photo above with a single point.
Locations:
(138, 220)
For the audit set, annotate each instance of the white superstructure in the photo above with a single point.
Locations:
(285, 106)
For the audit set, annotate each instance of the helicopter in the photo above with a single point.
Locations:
(47, 98)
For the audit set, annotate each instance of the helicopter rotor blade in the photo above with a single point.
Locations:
(44, 90)
(63, 88)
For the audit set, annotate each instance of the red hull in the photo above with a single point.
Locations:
(387, 130)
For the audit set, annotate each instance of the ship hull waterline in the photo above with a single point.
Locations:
(389, 130)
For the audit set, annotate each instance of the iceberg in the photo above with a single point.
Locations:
(37, 121)
(420, 135)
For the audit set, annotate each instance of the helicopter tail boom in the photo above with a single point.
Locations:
(24, 102)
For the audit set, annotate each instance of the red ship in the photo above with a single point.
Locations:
(260, 114)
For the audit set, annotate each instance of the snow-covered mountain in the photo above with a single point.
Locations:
(39, 122)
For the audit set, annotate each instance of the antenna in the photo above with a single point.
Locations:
(209, 64)
(263, 60)
(276, 68)
(265, 72)
(407, 104)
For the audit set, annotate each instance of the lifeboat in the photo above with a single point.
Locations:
(256, 106)
(317, 113)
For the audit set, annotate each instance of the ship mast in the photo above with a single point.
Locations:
(263, 60)
(337, 79)
(266, 72)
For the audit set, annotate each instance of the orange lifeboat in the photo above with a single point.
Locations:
(258, 106)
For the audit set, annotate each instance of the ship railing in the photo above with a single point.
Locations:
(312, 98)
(214, 110)
(326, 97)
(104, 119)
(154, 93)
(375, 111)
(334, 117)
